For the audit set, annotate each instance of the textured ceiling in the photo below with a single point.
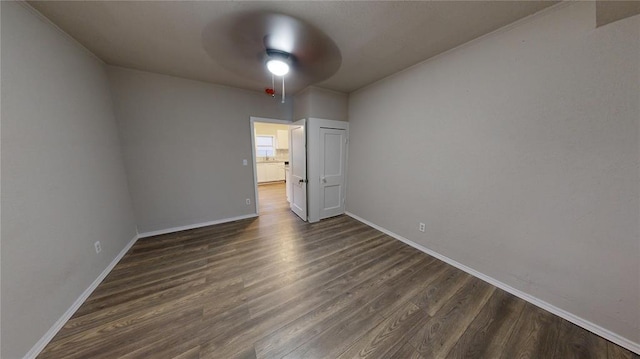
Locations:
(375, 39)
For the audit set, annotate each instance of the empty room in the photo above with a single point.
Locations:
(320, 179)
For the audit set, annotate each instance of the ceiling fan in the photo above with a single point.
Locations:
(262, 45)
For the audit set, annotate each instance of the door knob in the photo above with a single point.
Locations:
(302, 181)
(324, 180)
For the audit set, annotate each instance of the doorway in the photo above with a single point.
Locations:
(314, 166)
(270, 147)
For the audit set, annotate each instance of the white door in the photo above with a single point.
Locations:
(298, 166)
(333, 147)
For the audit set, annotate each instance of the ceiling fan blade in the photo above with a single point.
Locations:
(244, 39)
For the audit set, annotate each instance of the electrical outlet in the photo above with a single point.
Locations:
(422, 227)
(248, 201)
(244, 162)
(98, 247)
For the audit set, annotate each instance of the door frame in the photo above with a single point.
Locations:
(303, 213)
(313, 162)
(252, 121)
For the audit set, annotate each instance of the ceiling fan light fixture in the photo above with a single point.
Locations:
(278, 62)
(277, 67)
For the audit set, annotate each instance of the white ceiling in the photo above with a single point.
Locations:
(375, 39)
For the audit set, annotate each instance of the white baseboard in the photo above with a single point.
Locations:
(193, 226)
(594, 328)
(46, 338)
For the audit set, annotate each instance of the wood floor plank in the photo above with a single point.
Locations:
(442, 331)
(91, 343)
(333, 341)
(535, 335)
(275, 286)
(358, 265)
(488, 333)
(245, 257)
(291, 273)
(303, 302)
(387, 336)
(401, 291)
(575, 342)
(407, 351)
(365, 316)
(192, 353)
(113, 312)
(305, 256)
(301, 330)
(435, 295)
(307, 275)
(174, 338)
(617, 352)
(99, 303)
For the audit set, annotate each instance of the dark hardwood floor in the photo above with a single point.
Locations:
(277, 287)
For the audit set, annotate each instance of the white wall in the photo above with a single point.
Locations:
(184, 142)
(63, 179)
(520, 152)
(301, 104)
(320, 103)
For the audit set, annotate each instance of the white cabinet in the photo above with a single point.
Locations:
(282, 139)
(270, 172)
(273, 172)
(261, 172)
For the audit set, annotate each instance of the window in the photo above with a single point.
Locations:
(265, 146)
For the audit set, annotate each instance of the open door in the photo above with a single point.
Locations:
(298, 165)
